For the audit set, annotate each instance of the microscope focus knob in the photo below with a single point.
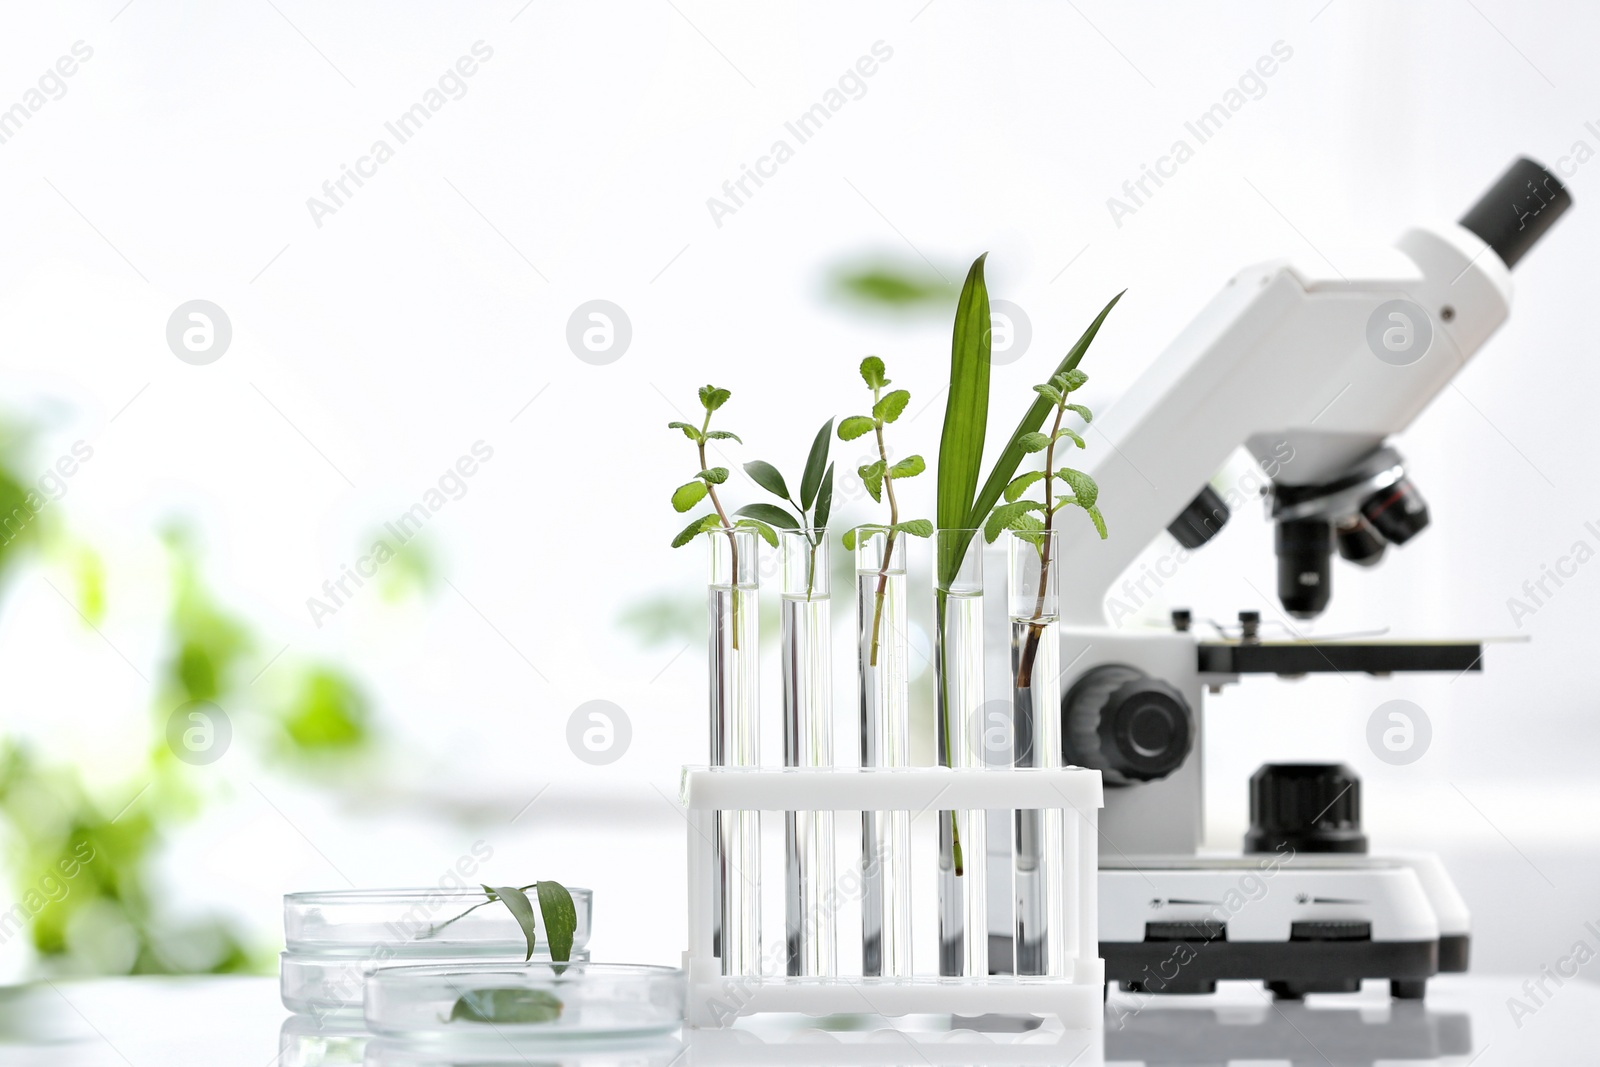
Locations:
(1309, 807)
(1125, 724)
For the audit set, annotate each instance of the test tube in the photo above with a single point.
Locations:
(881, 650)
(735, 650)
(808, 742)
(959, 722)
(1032, 604)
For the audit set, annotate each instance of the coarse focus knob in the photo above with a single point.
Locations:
(1125, 724)
(1309, 807)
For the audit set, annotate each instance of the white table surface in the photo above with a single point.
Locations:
(161, 1022)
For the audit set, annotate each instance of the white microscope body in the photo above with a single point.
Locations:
(1291, 359)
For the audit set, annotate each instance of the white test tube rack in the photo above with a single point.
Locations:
(1075, 998)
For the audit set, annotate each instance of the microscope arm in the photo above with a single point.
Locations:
(1280, 363)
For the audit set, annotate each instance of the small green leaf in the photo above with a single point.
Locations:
(1033, 442)
(1006, 517)
(1072, 380)
(560, 918)
(516, 902)
(914, 527)
(770, 513)
(506, 1005)
(855, 426)
(709, 521)
(1083, 413)
(816, 464)
(1084, 490)
(871, 475)
(1020, 484)
(1049, 392)
(689, 431)
(1073, 437)
(712, 397)
(688, 495)
(714, 475)
(723, 435)
(767, 477)
(889, 408)
(872, 373)
(819, 517)
(855, 533)
(909, 467)
(1098, 519)
(768, 534)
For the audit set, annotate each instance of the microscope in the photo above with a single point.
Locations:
(1291, 359)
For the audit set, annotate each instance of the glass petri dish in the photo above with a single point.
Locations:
(414, 924)
(336, 986)
(533, 1002)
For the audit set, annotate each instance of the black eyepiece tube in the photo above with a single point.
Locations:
(1518, 209)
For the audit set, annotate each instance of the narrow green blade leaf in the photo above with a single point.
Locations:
(516, 902)
(688, 495)
(770, 513)
(560, 918)
(855, 426)
(966, 420)
(767, 477)
(816, 464)
(1006, 465)
(824, 509)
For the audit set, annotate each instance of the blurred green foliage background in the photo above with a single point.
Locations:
(85, 891)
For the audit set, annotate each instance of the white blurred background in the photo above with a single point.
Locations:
(375, 344)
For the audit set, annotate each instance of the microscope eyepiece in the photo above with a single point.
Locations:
(1518, 209)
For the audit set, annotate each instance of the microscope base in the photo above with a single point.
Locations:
(1299, 923)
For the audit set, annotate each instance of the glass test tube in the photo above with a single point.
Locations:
(735, 742)
(958, 668)
(808, 742)
(881, 651)
(1033, 564)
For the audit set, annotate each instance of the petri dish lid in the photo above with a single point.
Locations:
(412, 923)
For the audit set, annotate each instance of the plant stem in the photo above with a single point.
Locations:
(1030, 647)
(733, 542)
(940, 597)
(432, 930)
(888, 544)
